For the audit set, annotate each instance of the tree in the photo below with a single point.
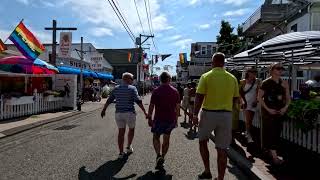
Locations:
(228, 42)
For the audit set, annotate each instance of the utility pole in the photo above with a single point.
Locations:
(140, 43)
(81, 73)
(54, 30)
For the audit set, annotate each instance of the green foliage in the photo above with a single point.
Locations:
(304, 113)
(229, 43)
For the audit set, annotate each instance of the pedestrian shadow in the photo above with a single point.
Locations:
(158, 175)
(191, 135)
(185, 125)
(105, 172)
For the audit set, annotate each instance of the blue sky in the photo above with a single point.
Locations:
(176, 23)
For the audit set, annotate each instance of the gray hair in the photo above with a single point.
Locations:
(127, 75)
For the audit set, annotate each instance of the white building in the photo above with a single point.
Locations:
(92, 58)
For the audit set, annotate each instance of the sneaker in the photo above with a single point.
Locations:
(121, 155)
(160, 163)
(129, 150)
(205, 176)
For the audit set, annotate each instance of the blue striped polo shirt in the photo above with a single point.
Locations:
(125, 96)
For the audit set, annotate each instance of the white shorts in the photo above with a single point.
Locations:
(124, 119)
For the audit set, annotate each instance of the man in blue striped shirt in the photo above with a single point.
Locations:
(125, 95)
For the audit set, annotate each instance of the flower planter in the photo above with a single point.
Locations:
(51, 98)
(19, 101)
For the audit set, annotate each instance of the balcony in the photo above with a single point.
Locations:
(265, 18)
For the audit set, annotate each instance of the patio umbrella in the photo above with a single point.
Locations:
(20, 64)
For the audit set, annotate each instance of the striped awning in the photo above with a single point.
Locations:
(288, 42)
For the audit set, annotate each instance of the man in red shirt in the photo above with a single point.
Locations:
(166, 101)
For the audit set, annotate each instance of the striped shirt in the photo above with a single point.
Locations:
(125, 96)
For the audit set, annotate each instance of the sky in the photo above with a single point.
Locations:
(175, 23)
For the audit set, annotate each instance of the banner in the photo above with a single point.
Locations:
(65, 44)
(96, 61)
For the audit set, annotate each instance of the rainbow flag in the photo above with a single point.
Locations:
(2, 46)
(26, 42)
(183, 58)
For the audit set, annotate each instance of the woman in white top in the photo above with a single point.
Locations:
(249, 88)
(185, 101)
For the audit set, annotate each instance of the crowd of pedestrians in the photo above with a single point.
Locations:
(209, 106)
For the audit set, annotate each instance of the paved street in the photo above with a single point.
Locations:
(87, 149)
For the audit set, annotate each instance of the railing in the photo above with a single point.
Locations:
(252, 19)
(28, 105)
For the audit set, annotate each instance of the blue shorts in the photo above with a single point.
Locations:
(160, 128)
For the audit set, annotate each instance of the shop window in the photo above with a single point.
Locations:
(203, 50)
(294, 28)
(209, 47)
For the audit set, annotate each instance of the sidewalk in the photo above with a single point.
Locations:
(13, 126)
(299, 163)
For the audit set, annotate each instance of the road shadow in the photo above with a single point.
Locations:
(158, 175)
(105, 172)
(185, 125)
(191, 135)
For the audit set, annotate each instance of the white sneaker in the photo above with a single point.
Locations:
(121, 155)
(129, 150)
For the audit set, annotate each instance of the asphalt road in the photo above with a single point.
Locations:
(86, 150)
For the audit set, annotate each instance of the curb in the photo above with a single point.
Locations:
(26, 127)
(245, 165)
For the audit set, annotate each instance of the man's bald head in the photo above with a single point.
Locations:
(218, 59)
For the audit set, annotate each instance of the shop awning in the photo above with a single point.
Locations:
(85, 72)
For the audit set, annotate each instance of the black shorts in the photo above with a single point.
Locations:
(160, 128)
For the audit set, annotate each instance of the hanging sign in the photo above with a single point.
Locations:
(65, 44)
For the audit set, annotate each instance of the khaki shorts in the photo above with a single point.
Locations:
(124, 119)
(220, 123)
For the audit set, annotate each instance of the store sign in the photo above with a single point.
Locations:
(78, 64)
(96, 61)
(65, 44)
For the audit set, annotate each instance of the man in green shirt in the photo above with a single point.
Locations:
(216, 93)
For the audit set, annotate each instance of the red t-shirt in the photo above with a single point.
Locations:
(165, 98)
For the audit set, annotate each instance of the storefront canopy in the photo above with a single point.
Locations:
(85, 72)
(288, 42)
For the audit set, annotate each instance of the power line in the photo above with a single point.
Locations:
(146, 7)
(123, 18)
(124, 24)
(150, 22)
(135, 3)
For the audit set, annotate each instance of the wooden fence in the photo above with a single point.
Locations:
(28, 105)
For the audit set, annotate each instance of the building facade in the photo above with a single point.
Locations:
(119, 59)
(276, 17)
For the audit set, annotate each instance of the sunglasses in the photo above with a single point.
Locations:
(279, 68)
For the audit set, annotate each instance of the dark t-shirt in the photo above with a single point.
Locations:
(274, 94)
(165, 98)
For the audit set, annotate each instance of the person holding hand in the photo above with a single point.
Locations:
(125, 95)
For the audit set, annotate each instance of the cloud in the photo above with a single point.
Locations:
(101, 31)
(47, 3)
(231, 2)
(204, 26)
(175, 37)
(25, 2)
(183, 43)
(99, 12)
(4, 34)
(239, 12)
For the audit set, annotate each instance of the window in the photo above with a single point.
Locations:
(209, 48)
(294, 28)
(214, 50)
(203, 50)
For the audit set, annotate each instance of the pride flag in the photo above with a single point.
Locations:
(26, 42)
(183, 58)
